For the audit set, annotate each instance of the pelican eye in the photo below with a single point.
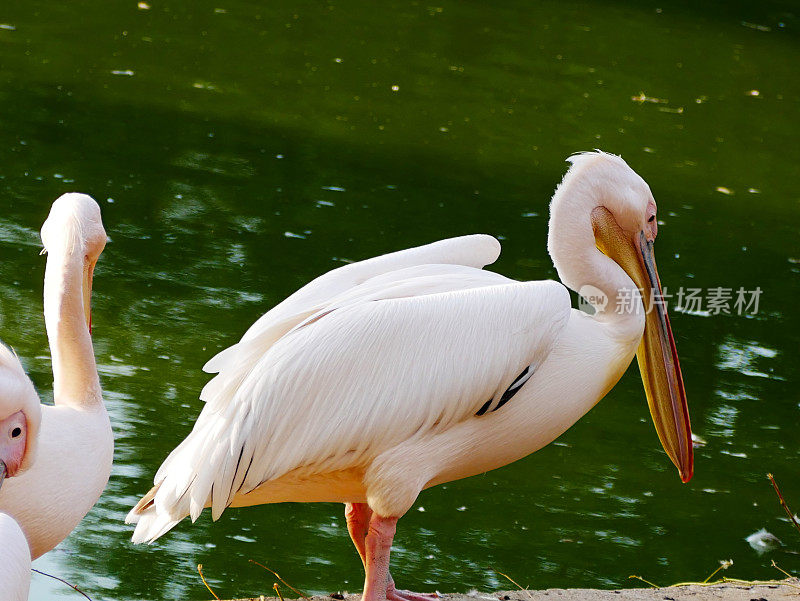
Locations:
(652, 219)
(16, 432)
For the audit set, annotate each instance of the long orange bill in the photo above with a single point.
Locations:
(661, 370)
(658, 359)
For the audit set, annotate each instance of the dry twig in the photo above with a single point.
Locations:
(203, 578)
(643, 580)
(72, 586)
(783, 503)
(274, 573)
(514, 582)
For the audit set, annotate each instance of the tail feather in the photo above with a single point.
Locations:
(144, 503)
(151, 525)
(206, 469)
(212, 462)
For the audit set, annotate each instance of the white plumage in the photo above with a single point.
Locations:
(75, 442)
(291, 394)
(381, 378)
(15, 561)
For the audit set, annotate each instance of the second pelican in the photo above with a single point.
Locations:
(385, 377)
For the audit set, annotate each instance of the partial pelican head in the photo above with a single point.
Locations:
(74, 228)
(20, 416)
(606, 204)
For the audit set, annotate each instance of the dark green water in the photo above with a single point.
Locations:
(240, 148)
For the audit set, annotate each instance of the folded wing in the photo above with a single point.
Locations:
(405, 352)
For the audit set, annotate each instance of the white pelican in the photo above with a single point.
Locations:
(384, 377)
(75, 446)
(20, 418)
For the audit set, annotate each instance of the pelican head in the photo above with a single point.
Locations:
(20, 416)
(74, 229)
(603, 204)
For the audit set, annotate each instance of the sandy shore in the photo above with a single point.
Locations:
(768, 591)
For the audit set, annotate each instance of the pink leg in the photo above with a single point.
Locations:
(378, 545)
(358, 516)
(378, 585)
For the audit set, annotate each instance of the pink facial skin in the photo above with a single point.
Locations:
(651, 229)
(13, 438)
